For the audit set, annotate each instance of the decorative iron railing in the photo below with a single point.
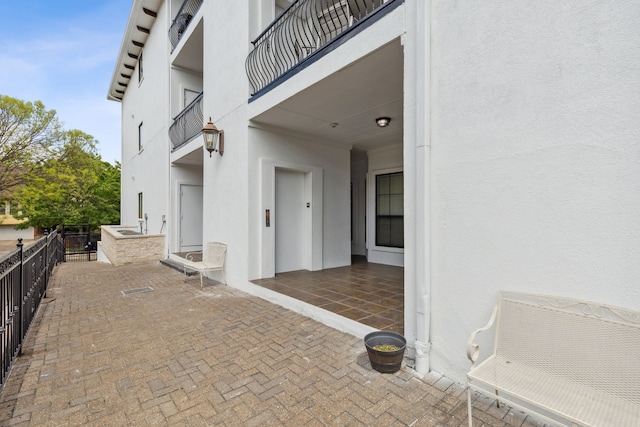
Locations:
(181, 22)
(24, 276)
(187, 124)
(303, 29)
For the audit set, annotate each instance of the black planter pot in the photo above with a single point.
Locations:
(386, 362)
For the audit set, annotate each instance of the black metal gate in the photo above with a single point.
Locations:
(80, 242)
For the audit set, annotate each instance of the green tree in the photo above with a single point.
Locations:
(75, 186)
(29, 134)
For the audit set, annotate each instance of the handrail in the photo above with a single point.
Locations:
(274, 22)
(302, 29)
(180, 23)
(188, 123)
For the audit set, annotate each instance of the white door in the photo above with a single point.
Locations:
(190, 217)
(290, 221)
(189, 96)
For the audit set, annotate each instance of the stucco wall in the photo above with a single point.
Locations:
(334, 161)
(535, 158)
(187, 175)
(147, 101)
(225, 96)
(181, 80)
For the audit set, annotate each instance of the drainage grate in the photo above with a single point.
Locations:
(137, 291)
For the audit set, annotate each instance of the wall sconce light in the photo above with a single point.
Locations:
(213, 138)
(383, 122)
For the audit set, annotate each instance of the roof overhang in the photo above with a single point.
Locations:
(141, 19)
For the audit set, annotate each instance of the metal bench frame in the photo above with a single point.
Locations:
(213, 257)
(569, 362)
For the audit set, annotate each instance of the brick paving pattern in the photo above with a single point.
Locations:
(182, 356)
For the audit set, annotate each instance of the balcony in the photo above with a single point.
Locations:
(179, 25)
(187, 124)
(303, 30)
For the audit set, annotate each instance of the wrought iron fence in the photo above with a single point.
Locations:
(303, 29)
(181, 22)
(24, 276)
(188, 123)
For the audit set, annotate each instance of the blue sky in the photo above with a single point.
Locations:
(63, 54)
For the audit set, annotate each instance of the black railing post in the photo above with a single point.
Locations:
(86, 242)
(61, 257)
(46, 263)
(20, 309)
(64, 244)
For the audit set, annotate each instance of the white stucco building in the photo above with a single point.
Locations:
(511, 161)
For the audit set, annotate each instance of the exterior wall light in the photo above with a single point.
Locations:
(213, 138)
(383, 122)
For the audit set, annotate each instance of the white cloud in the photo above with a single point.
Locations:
(66, 62)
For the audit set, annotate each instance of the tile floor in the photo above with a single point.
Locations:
(372, 294)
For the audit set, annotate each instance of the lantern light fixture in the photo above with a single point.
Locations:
(213, 138)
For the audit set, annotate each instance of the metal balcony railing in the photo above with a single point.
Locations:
(187, 124)
(181, 21)
(304, 28)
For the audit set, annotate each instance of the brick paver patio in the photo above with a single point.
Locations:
(185, 357)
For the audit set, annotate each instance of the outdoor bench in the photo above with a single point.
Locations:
(569, 362)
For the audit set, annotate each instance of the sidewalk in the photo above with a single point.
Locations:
(179, 356)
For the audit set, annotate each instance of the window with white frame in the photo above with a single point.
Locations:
(390, 210)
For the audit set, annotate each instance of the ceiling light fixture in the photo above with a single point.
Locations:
(383, 122)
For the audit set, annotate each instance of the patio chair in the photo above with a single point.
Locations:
(213, 257)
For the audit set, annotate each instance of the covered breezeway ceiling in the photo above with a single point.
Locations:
(353, 98)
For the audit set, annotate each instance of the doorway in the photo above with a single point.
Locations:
(291, 221)
(190, 217)
(292, 235)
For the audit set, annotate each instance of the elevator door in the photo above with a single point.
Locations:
(291, 236)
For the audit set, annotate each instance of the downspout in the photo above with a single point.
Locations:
(422, 52)
(423, 276)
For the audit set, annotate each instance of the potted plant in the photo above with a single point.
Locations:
(385, 350)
